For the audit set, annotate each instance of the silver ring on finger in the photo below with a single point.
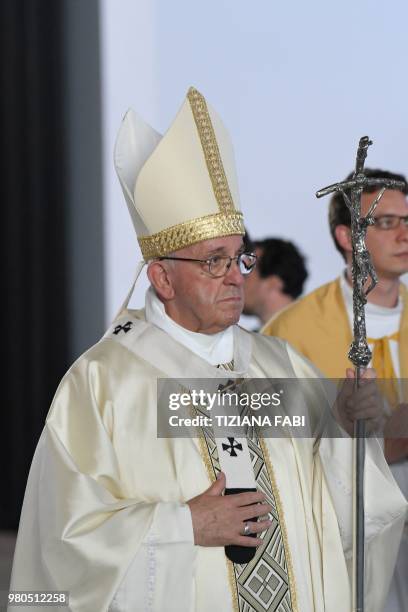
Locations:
(247, 529)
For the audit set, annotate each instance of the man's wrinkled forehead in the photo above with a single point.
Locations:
(227, 245)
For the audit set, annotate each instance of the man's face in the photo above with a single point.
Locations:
(388, 248)
(202, 303)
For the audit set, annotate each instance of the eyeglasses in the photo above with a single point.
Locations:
(389, 222)
(218, 266)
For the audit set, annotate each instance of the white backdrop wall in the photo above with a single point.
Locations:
(296, 84)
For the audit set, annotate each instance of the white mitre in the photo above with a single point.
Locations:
(180, 188)
(135, 142)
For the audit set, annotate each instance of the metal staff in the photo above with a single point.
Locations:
(364, 280)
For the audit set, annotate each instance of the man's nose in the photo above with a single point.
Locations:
(234, 275)
(402, 231)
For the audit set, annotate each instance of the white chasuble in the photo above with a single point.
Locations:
(104, 515)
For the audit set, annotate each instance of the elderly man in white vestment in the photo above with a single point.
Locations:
(126, 521)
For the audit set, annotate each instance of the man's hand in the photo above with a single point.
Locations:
(362, 403)
(219, 520)
(396, 435)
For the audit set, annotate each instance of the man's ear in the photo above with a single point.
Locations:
(343, 237)
(159, 276)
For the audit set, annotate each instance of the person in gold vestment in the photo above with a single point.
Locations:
(127, 521)
(319, 325)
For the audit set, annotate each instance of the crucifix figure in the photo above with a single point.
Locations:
(364, 280)
(363, 273)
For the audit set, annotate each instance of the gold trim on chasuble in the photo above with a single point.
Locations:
(259, 579)
(227, 222)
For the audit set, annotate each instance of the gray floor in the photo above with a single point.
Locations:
(7, 543)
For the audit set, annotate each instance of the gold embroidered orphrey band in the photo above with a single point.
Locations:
(211, 151)
(227, 222)
(265, 584)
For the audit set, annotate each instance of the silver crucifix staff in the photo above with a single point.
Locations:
(364, 280)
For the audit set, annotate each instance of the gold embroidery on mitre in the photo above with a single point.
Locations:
(187, 233)
(211, 151)
(227, 222)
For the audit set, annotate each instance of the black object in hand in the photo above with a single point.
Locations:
(241, 554)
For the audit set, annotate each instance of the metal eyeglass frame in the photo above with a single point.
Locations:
(403, 218)
(208, 261)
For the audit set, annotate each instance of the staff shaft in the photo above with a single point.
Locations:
(359, 450)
